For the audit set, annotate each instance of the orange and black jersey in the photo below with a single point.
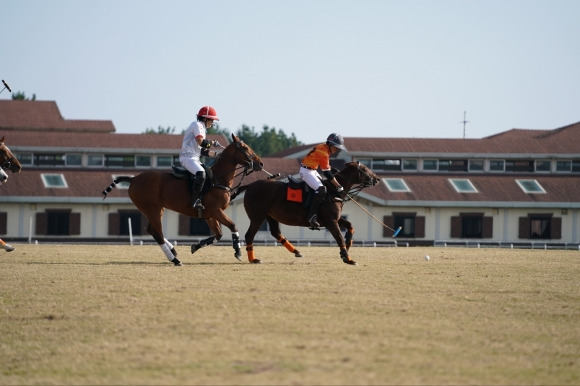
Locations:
(319, 156)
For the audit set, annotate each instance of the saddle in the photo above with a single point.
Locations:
(298, 191)
(182, 173)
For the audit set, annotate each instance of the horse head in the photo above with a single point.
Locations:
(7, 159)
(3, 176)
(243, 155)
(358, 174)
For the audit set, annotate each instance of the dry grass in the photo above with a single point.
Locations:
(124, 315)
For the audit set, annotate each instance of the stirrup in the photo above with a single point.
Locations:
(314, 223)
(198, 204)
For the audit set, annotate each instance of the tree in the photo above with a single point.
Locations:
(160, 130)
(20, 96)
(268, 142)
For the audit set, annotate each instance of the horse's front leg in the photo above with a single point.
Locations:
(334, 229)
(221, 217)
(344, 223)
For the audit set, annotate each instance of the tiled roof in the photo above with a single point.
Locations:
(18, 140)
(498, 188)
(44, 115)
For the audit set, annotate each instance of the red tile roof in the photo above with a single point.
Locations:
(44, 116)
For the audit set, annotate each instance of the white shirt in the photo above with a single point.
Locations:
(190, 148)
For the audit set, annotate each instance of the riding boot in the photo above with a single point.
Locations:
(313, 210)
(196, 187)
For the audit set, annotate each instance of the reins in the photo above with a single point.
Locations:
(248, 165)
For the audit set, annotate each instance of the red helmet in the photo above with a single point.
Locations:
(208, 112)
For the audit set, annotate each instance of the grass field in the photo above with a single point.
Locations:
(92, 314)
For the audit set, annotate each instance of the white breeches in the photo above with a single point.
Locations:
(311, 177)
(191, 164)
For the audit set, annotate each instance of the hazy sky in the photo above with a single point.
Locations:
(404, 68)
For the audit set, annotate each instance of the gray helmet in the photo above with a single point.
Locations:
(336, 140)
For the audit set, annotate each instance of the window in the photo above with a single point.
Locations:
(198, 227)
(123, 161)
(135, 217)
(409, 164)
(540, 226)
(58, 222)
(430, 164)
(454, 165)
(530, 186)
(396, 185)
(95, 160)
(476, 165)
(412, 226)
(386, 164)
(542, 165)
(143, 160)
(463, 185)
(25, 158)
(471, 226)
(164, 161)
(496, 165)
(49, 159)
(576, 166)
(519, 166)
(563, 166)
(53, 180)
(74, 159)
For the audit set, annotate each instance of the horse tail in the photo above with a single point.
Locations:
(114, 183)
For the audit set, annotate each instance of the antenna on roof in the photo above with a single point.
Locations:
(5, 86)
(464, 122)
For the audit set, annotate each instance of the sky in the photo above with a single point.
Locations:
(365, 68)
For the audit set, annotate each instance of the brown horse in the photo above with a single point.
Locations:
(267, 200)
(7, 159)
(152, 192)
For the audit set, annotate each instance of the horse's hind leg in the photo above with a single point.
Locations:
(249, 237)
(215, 228)
(277, 234)
(344, 223)
(154, 228)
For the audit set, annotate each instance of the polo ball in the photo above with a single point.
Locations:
(427, 257)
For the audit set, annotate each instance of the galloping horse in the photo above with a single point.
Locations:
(267, 200)
(7, 159)
(152, 192)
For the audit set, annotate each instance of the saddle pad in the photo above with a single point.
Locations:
(294, 195)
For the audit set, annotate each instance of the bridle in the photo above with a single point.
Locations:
(364, 180)
(247, 165)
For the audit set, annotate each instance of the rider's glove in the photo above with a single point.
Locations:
(343, 193)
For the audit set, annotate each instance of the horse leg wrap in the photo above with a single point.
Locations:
(344, 254)
(236, 241)
(287, 244)
(250, 250)
(348, 238)
(173, 251)
(165, 248)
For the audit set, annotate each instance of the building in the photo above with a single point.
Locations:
(519, 187)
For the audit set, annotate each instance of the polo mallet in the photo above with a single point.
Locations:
(5, 86)
(395, 232)
(270, 175)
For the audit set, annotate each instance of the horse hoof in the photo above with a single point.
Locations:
(194, 248)
(176, 262)
(238, 255)
(297, 254)
(256, 261)
(350, 262)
